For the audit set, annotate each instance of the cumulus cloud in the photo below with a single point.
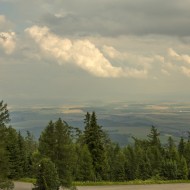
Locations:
(113, 53)
(81, 52)
(7, 41)
(185, 70)
(172, 53)
(7, 37)
(179, 62)
(153, 65)
(132, 61)
(183, 57)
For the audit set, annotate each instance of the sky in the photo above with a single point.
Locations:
(67, 51)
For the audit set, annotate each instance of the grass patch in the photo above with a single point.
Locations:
(134, 182)
(103, 183)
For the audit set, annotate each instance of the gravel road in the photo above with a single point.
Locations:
(28, 186)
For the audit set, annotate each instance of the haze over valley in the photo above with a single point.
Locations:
(121, 120)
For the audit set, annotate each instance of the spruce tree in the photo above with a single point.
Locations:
(153, 137)
(187, 156)
(30, 148)
(131, 166)
(84, 168)
(172, 152)
(15, 163)
(119, 166)
(169, 169)
(5, 183)
(154, 150)
(55, 142)
(94, 139)
(182, 169)
(181, 147)
(4, 114)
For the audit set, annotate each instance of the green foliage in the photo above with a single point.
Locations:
(181, 146)
(182, 169)
(131, 166)
(153, 137)
(119, 166)
(84, 167)
(4, 169)
(169, 169)
(5, 183)
(56, 143)
(14, 145)
(4, 114)
(94, 138)
(65, 154)
(47, 176)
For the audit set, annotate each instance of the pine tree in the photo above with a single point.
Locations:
(182, 169)
(94, 139)
(169, 169)
(119, 167)
(22, 155)
(55, 142)
(131, 166)
(87, 121)
(4, 114)
(144, 169)
(84, 168)
(47, 141)
(12, 146)
(187, 156)
(5, 183)
(30, 148)
(153, 137)
(4, 167)
(181, 147)
(172, 152)
(154, 151)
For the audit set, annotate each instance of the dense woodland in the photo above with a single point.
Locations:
(64, 154)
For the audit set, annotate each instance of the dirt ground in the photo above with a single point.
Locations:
(28, 186)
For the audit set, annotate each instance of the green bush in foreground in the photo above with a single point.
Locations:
(47, 176)
(6, 185)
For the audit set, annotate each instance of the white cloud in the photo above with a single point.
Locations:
(7, 41)
(172, 53)
(183, 57)
(178, 62)
(82, 52)
(113, 53)
(185, 71)
(109, 61)
(7, 37)
(132, 61)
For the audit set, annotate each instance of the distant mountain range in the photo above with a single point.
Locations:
(121, 120)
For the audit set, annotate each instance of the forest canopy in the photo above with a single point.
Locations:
(64, 154)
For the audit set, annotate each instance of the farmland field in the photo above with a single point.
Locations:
(120, 120)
